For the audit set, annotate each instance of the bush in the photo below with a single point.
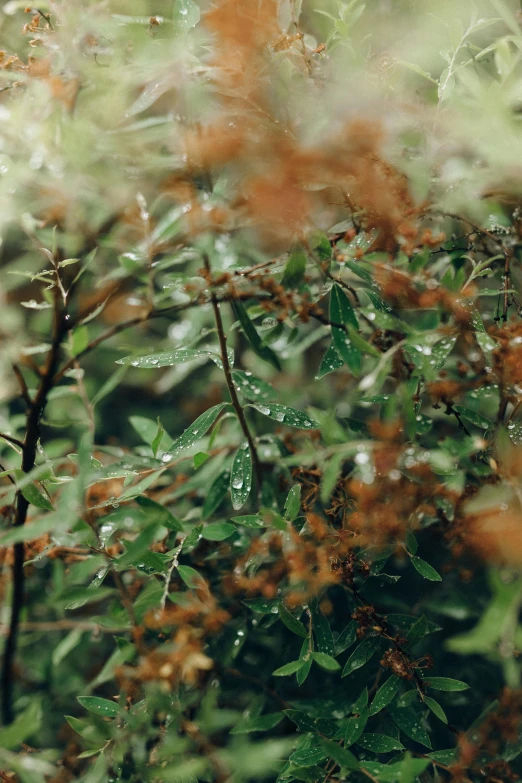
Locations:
(260, 390)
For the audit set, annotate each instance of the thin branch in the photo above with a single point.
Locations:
(11, 479)
(30, 444)
(230, 384)
(10, 439)
(24, 391)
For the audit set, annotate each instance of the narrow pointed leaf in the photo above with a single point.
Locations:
(241, 477)
(263, 351)
(197, 429)
(285, 415)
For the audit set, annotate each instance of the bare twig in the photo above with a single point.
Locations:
(230, 384)
(30, 444)
(10, 439)
(24, 391)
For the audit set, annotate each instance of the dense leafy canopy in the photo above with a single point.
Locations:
(260, 383)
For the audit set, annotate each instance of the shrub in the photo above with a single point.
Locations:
(261, 380)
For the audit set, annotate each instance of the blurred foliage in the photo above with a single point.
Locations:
(260, 391)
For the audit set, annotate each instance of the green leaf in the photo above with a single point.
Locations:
(147, 429)
(475, 418)
(260, 723)
(263, 351)
(362, 654)
(445, 684)
(291, 622)
(254, 521)
(347, 637)
(443, 756)
(191, 577)
(353, 728)
(385, 694)
(425, 570)
(309, 757)
(418, 630)
(158, 438)
(341, 312)
(301, 719)
(326, 661)
(262, 606)
(340, 755)
(320, 244)
(411, 543)
(66, 645)
(288, 669)
(285, 415)
(25, 725)
(36, 498)
(435, 707)
(154, 361)
(197, 429)
(304, 671)
(158, 514)
(293, 503)
(218, 531)
(193, 537)
(251, 387)
(306, 657)
(379, 743)
(241, 476)
(295, 269)
(80, 340)
(331, 361)
(322, 631)
(200, 458)
(99, 706)
(216, 494)
(403, 623)
(135, 550)
(410, 721)
(405, 771)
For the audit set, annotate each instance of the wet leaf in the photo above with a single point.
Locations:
(99, 706)
(425, 569)
(241, 477)
(288, 416)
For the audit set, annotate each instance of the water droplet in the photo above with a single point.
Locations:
(237, 482)
(166, 457)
